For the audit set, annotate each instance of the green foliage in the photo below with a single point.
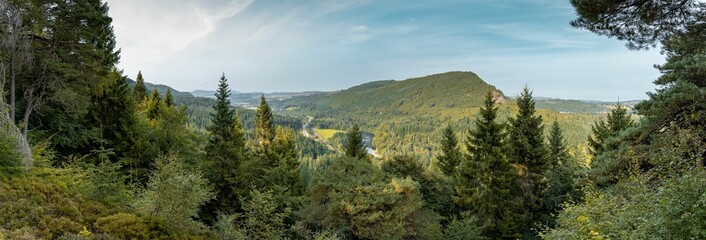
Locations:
(634, 210)
(527, 150)
(123, 226)
(352, 197)
(154, 104)
(260, 219)
(617, 120)
(635, 21)
(561, 176)
(174, 193)
(140, 90)
(225, 153)
(464, 228)
(10, 158)
(486, 181)
(354, 143)
(264, 124)
(436, 190)
(450, 156)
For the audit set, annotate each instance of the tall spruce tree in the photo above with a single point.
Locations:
(486, 182)
(527, 150)
(560, 185)
(140, 90)
(265, 133)
(450, 156)
(354, 146)
(225, 152)
(168, 98)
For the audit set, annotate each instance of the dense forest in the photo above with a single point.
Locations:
(88, 153)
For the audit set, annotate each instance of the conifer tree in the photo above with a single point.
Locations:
(225, 152)
(154, 104)
(140, 90)
(354, 143)
(450, 156)
(168, 98)
(527, 149)
(560, 185)
(265, 133)
(485, 180)
(617, 120)
(114, 111)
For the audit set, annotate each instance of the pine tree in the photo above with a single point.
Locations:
(485, 180)
(168, 98)
(527, 150)
(140, 90)
(450, 158)
(617, 120)
(354, 143)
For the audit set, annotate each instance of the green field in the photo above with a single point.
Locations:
(327, 133)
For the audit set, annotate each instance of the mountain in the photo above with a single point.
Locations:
(252, 99)
(163, 89)
(438, 91)
(580, 106)
(406, 117)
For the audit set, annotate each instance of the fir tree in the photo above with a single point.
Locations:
(225, 152)
(354, 143)
(485, 180)
(222, 118)
(140, 90)
(560, 185)
(450, 158)
(264, 123)
(154, 104)
(527, 150)
(168, 98)
(617, 120)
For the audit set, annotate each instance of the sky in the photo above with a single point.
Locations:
(327, 45)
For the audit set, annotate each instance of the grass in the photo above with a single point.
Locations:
(327, 133)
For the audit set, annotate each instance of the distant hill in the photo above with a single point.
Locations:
(580, 106)
(407, 116)
(415, 95)
(162, 89)
(251, 99)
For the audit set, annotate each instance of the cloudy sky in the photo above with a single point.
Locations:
(298, 45)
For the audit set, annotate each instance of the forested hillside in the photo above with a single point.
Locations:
(406, 117)
(88, 153)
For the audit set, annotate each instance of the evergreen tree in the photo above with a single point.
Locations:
(225, 152)
(527, 150)
(617, 120)
(265, 121)
(485, 180)
(168, 98)
(450, 156)
(155, 102)
(264, 126)
(354, 143)
(140, 90)
(560, 185)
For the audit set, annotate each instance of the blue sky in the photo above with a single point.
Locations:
(331, 45)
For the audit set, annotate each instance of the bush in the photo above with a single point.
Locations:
(10, 159)
(123, 226)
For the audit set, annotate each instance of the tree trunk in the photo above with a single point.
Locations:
(25, 120)
(12, 89)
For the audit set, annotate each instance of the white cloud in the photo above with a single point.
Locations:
(148, 31)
